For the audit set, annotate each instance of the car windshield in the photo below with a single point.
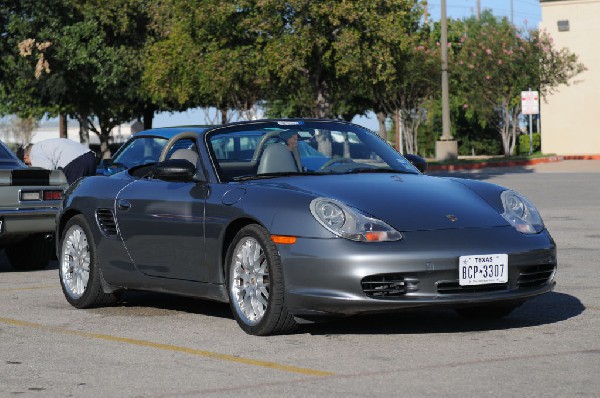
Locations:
(271, 149)
(143, 150)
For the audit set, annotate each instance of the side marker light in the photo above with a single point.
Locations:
(284, 240)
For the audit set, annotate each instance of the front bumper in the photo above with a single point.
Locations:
(337, 276)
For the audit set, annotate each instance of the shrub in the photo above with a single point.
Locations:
(524, 143)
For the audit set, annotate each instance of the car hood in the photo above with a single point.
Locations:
(407, 202)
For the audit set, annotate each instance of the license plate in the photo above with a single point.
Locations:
(483, 269)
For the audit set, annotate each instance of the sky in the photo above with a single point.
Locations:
(525, 13)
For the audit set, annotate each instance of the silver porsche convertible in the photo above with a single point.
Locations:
(300, 219)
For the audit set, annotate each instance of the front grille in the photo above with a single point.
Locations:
(535, 275)
(388, 285)
(453, 287)
(106, 222)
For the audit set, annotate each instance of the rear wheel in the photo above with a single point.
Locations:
(255, 284)
(80, 275)
(32, 253)
(487, 311)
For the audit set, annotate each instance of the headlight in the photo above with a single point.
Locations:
(521, 213)
(351, 224)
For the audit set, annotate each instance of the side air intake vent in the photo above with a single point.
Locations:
(106, 222)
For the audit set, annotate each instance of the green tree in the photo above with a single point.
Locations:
(21, 93)
(495, 61)
(325, 57)
(205, 55)
(407, 94)
(77, 57)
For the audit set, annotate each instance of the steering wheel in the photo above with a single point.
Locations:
(183, 135)
(334, 161)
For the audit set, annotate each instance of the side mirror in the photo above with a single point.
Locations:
(417, 161)
(175, 170)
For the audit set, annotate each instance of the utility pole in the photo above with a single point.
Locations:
(425, 12)
(446, 148)
(478, 10)
(446, 135)
(512, 13)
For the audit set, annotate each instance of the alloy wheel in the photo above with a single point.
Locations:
(250, 280)
(75, 262)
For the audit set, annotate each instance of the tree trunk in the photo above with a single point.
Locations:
(84, 130)
(148, 117)
(224, 118)
(104, 148)
(513, 129)
(381, 117)
(398, 130)
(324, 144)
(346, 145)
(504, 128)
(62, 126)
(323, 107)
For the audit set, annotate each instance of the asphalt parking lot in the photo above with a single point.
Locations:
(155, 345)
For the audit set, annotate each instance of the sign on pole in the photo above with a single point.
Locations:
(530, 103)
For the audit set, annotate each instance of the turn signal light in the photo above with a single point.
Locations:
(376, 236)
(284, 240)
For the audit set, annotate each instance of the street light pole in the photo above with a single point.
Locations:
(446, 135)
(512, 13)
(446, 148)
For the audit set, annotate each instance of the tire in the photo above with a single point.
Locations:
(80, 275)
(32, 253)
(255, 284)
(487, 311)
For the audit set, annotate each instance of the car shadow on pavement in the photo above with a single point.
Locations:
(6, 267)
(138, 303)
(546, 309)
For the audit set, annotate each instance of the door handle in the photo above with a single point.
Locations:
(123, 204)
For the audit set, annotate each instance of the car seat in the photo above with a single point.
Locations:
(277, 158)
(186, 154)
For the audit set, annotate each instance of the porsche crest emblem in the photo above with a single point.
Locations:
(452, 217)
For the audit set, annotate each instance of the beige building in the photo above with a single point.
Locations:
(571, 116)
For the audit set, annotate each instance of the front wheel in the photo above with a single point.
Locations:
(80, 276)
(255, 284)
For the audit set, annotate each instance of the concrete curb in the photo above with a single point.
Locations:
(508, 163)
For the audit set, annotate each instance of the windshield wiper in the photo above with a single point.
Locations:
(268, 175)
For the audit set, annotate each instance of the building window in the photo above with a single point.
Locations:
(563, 25)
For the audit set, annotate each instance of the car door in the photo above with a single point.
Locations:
(162, 226)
